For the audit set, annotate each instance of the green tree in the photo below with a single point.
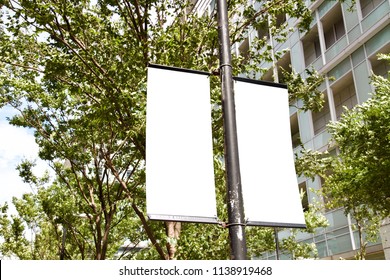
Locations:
(362, 136)
(76, 72)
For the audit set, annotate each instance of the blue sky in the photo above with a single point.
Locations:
(16, 144)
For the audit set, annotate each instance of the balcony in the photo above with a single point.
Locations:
(375, 15)
(336, 48)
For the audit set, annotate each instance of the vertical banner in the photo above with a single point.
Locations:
(179, 154)
(269, 184)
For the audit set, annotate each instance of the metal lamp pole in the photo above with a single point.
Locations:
(236, 220)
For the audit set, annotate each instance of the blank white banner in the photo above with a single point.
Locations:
(179, 154)
(270, 190)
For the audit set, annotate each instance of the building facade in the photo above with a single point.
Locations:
(342, 43)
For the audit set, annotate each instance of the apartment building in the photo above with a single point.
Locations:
(342, 43)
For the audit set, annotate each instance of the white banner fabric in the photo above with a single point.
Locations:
(179, 154)
(270, 190)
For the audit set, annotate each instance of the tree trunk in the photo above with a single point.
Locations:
(173, 232)
(362, 250)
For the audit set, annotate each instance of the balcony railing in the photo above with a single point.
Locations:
(336, 48)
(354, 34)
(375, 15)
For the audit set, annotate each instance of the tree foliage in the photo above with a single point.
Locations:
(76, 72)
(363, 139)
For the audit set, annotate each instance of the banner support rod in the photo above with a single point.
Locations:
(236, 217)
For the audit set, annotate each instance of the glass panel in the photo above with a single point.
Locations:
(301, 235)
(345, 97)
(350, 14)
(338, 232)
(378, 41)
(304, 126)
(357, 239)
(321, 118)
(341, 69)
(367, 6)
(336, 219)
(322, 139)
(285, 257)
(337, 48)
(308, 145)
(362, 87)
(354, 34)
(317, 63)
(375, 15)
(358, 56)
(325, 7)
(339, 244)
(319, 231)
(271, 257)
(296, 58)
(319, 237)
(322, 249)
(284, 234)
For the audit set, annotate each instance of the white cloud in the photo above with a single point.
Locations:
(16, 144)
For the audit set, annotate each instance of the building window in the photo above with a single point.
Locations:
(244, 49)
(263, 30)
(333, 26)
(368, 5)
(295, 137)
(344, 95)
(311, 46)
(280, 19)
(334, 33)
(321, 118)
(263, 33)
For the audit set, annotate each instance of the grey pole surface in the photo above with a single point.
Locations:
(236, 218)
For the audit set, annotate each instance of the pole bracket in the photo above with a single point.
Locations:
(225, 64)
(227, 225)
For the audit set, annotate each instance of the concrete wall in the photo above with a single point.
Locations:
(385, 236)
